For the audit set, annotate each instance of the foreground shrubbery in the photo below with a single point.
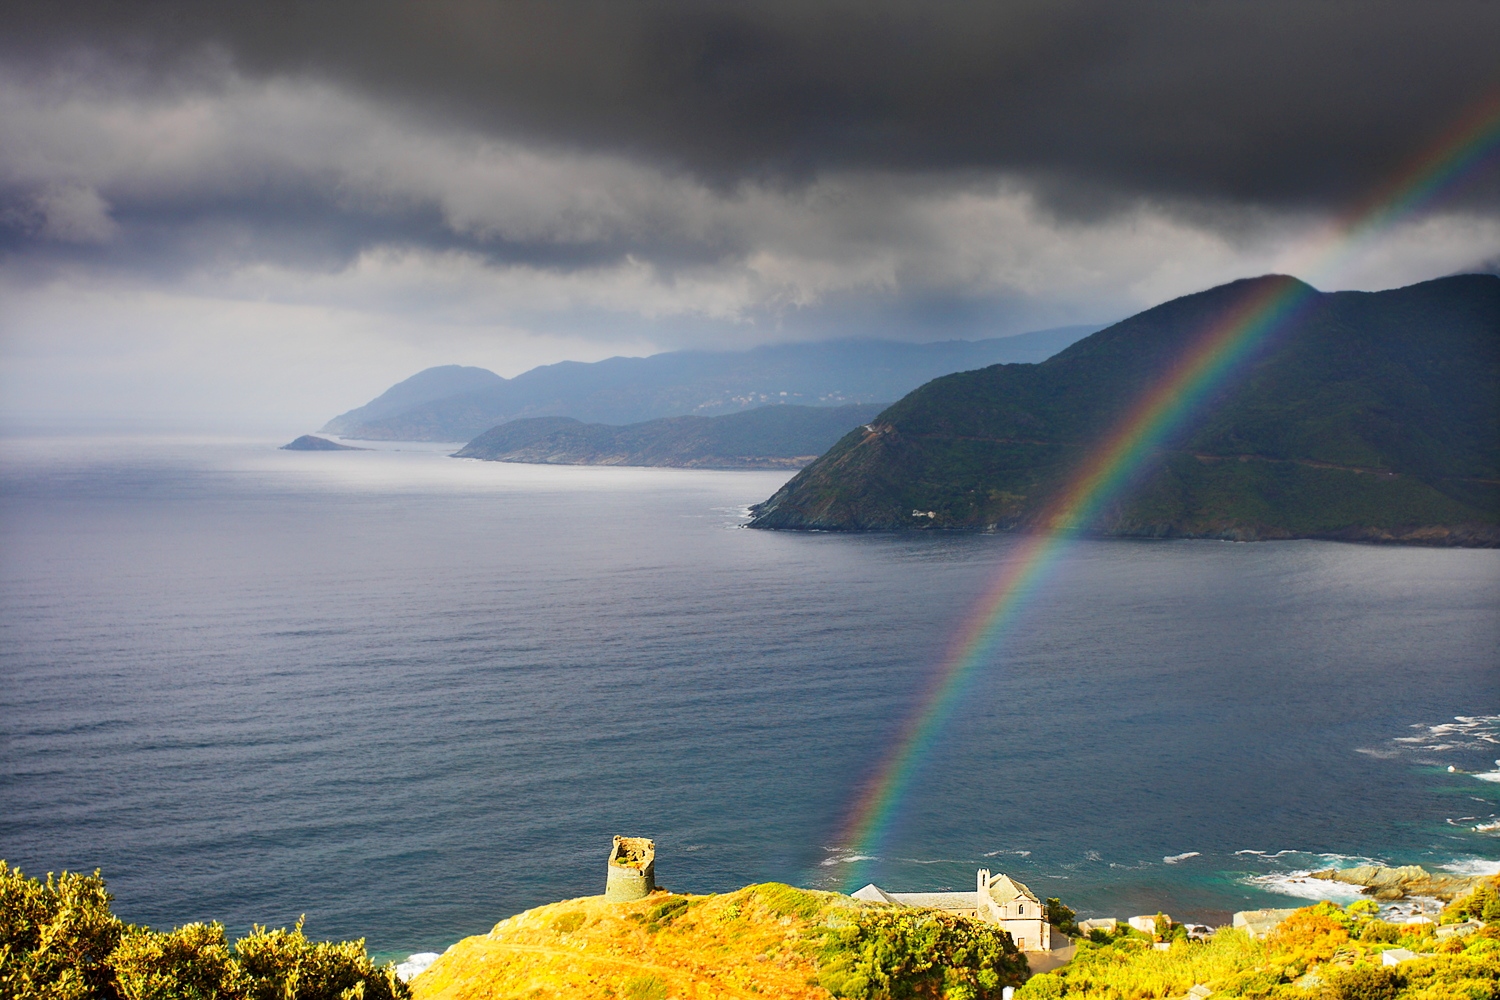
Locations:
(1322, 952)
(917, 953)
(59, 941)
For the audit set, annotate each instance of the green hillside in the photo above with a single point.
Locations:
(1373, 415)
(771, 437)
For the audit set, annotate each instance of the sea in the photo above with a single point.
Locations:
(406, 696)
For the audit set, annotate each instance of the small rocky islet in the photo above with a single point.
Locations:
(311, 442)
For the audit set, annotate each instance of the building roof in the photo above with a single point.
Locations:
(1003, 889)
(935, 900)
(931, 900)
(1259, 923)
(872, 893)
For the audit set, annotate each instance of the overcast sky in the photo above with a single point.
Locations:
(255, 215)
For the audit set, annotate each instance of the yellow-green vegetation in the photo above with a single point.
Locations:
(1321, 952)
(59, 941)
(1481, 904)
(766, 940)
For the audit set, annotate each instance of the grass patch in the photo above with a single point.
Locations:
(645, 988)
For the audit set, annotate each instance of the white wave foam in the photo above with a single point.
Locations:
(1490, 827)
(1172, 859)
(1473, 866)
(1489, 775)
(847, 859)
(415, 965)
(1302, 886)
(1466, 733)
(1329, 860)
(1019, 854)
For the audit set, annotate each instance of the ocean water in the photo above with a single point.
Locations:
(408, 695)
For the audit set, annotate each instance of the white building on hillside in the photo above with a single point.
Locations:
(1004, 901)
(998, 899)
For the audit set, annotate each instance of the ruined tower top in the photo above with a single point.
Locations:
(632, 869)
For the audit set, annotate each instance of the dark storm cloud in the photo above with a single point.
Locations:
(1268, 103)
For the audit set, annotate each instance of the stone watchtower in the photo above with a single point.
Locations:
(632, 869)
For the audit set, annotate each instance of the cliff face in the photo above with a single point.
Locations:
(1372, 416)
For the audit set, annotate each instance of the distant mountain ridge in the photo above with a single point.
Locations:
(1373, 415)
(770, 437)
(455, 403)
(426, 386)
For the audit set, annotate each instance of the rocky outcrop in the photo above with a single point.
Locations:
(1390, 884)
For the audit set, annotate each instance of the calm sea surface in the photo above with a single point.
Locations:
(409, 695)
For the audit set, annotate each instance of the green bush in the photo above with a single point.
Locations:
(56, 937)
(1365, 983)
(190, 963)
(1380, 932)
(59, 941)
(645, 987)
(918, 953)
(1062, 917)
(1483, 904)
(283, 964)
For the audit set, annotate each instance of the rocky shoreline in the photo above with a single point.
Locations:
(1388, 885)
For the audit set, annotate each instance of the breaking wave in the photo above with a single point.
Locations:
(846, 859)
(415, 965)
(1437, 744)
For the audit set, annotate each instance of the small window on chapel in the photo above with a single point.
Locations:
(1021, 909)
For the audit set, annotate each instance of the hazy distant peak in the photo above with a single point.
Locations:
(426, 386)
(623, 390)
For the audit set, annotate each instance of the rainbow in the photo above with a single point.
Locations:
(1213, 356)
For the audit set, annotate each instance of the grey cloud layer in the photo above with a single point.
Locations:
(546, 165)
(279, 204)
(1278, 102)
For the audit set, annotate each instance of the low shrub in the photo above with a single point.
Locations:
(1365, 983)
(283, 963)
(59, 941)
(1061, 917)
(917, 953)
(1483, 903)
(645, 988)
(192, 962)
(56, 936)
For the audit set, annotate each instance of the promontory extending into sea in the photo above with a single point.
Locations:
(1260, 409)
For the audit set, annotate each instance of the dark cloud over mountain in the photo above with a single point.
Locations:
(1279, 102)
(202, 192)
